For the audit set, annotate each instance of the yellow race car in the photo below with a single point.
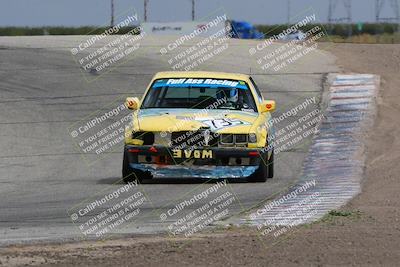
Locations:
(208, 125)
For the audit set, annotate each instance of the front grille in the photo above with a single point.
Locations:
(240, 138)
(193, 139)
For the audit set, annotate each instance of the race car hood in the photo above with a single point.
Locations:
(172, 120)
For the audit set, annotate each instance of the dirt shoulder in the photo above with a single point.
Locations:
(368, 233)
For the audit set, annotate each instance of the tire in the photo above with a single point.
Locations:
(131, 175)
(271, 166)
(261, 174)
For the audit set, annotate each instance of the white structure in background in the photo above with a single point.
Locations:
(197, 28)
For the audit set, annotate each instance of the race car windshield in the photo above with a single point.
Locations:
(199, 94)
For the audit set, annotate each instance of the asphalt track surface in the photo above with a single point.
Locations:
(43, 92)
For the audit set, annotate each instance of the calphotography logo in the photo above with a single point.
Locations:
(294, 126)
(197, 47)
(294, 208)
(299, 40)
(101, 131)
(188, 217)
(100, 53)
(110, 212)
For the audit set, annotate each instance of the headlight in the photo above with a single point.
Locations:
(252, 138)
(147, 137)
(240, 138)
(226, 138)
(137, 135)
(233, 139)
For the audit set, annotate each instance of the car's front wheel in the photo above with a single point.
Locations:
(271, 166)
(264, 171)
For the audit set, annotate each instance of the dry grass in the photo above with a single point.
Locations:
(365, 39)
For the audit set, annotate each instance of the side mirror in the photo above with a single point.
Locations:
(132, 103)
(267, 106)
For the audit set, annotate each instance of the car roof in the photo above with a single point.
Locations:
(201, 74)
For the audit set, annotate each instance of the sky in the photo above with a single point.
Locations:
(97, 12)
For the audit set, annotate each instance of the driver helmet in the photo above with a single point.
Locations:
(233, 95)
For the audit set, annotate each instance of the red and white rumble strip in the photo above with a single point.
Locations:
(333, 169)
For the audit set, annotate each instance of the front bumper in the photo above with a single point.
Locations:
(203, 172)
(225, 162)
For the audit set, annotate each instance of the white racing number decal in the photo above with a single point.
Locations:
(223, 123)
